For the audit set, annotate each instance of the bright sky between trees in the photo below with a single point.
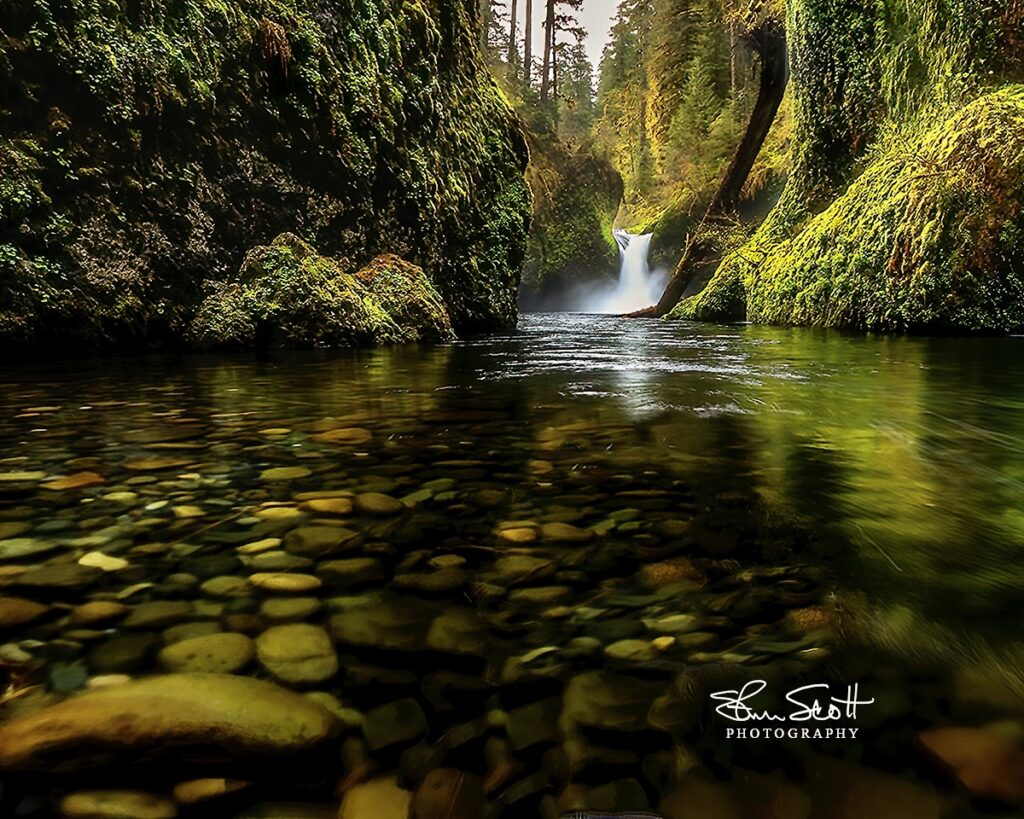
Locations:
(595, 17)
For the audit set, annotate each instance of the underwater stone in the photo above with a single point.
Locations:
(116, 805)
(394, 723)
(378, 798)
(235, 714)
(16, 611)
(297, 653)
(223, 653)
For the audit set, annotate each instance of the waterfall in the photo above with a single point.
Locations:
(637, 286)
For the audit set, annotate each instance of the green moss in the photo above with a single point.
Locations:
(724, 299)
(836, 89)
(289, 296)
(168, 138)
(904, 208)
(576, 197)
(929, 238)
(403, 302)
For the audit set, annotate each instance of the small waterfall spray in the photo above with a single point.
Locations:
(637, 286)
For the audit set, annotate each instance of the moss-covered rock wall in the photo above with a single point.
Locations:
(905, 208)
(145, 147)
(576, 197)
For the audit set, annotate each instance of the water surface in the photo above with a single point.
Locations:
(823, 507)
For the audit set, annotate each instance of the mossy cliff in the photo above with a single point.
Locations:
(146, 147)
(576, 196)
(905, 208)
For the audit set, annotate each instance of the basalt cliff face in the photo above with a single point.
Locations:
(905, 207)
(576, 196)
(147, 147)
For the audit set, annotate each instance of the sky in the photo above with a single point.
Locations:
(595, 17)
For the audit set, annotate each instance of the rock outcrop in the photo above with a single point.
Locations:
(145, 149)
(905, 209)
(576, 196)
(288, 295)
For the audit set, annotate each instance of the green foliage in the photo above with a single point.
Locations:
(675, 94)
(576, 109)
(893, 64)
(836, 90)
(576, 196)
(621, 129)
(576, 191)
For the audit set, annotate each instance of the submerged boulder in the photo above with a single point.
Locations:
(289, 295)
(116, 805)
(235, 714)
(380, 798)
(297, 653)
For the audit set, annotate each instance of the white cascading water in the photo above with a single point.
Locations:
(637, 286)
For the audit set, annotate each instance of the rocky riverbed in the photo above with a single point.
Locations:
(422, 613)
(228, 598)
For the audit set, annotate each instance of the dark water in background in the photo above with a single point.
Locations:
(828, 507)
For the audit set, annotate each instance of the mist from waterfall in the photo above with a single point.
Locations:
(637, 286)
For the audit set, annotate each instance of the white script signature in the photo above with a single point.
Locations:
(814, 702)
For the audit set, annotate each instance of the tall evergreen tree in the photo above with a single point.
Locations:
(560, 18)
(528, 47)
(575, 92)
(513, 39)
(493, 29)
(549, 35)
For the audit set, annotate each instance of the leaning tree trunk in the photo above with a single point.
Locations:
(770, 44)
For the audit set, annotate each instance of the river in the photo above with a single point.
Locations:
(549, 548)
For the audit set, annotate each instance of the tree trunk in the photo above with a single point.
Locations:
(528, 46)
(484, 7)
(700, 250)
(554, 68)
(513, 46)
(549, 36)
(733, 43)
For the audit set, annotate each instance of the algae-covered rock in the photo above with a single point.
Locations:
(144, 152)
(289, 295)
(404, 302)
(236, 714)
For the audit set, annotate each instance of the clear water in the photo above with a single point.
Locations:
(829, 508)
